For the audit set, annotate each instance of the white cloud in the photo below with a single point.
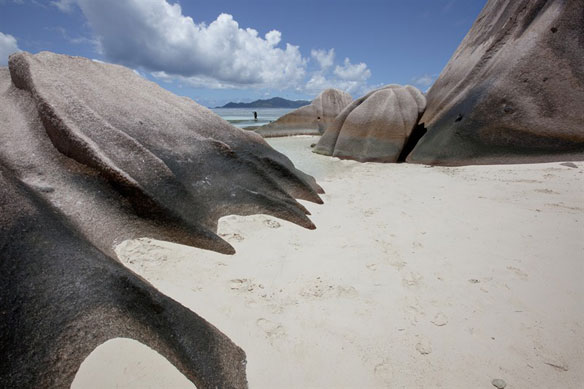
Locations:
(318, 83)
(348, 77)
(8, 45)
(350, 72)
(423, 81)
(154, 36)
(64, 5)
(324, 58)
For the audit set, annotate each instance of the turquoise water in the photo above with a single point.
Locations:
(243, 117)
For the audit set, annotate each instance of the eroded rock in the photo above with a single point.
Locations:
(91, 155)
(374, 127)
(312, 119)
(513, 91)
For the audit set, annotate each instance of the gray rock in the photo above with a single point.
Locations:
(312, 119)
(499, 383)
(374, 127)
(513, 91)
(61, 297)
(168, 157)
(123, 158)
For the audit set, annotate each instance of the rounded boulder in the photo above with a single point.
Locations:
(375, 127)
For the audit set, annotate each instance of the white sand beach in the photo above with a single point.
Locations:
(416, 277)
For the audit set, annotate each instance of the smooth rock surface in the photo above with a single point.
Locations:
(374, 127)
(513, 91)
(312, 119)
(91, 154)
(61, 297)
(172, 160)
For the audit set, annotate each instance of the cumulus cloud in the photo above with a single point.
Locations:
(8, 45)
(324, 58)
(74, 40)
(350, 72)
(317, 83)
(155, 36)
(64, 5)
(423, 81)
(352, 78)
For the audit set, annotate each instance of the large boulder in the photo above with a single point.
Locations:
(92, 154)
(61, 297)
(513, 91)
(311, 119)
(374, 127)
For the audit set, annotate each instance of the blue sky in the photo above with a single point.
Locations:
(232, 50)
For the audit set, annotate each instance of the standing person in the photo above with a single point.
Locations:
(255, 116)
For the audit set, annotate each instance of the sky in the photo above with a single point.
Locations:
(233, 50)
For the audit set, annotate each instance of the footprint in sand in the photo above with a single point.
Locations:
(518, 272)
(272, 223)
(243, 285)
(272, 329)
(414, 311)
(424, 347)
(369, 212)
(412, 280)
(440, 320)
(383, 370)
(322, 289)
(371, 266)
(398, 264)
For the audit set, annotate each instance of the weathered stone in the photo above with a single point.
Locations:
(513, 91)
(312, 119)
(171, 159)
(374, 127)
(90, 155)
(61, 297)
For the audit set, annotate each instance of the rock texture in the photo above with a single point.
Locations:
(312, 119)
(61, 297)
(514, 89)
(374, 127)
(90, 155)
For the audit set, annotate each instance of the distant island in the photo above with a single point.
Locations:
(275, 102)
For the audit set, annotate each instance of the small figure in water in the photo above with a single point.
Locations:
(255, 116)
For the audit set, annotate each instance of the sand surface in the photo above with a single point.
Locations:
(415, 277)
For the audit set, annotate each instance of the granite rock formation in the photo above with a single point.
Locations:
(374, 127)
(62, 297)
(91, 154)
(312, 119)
(513, 91)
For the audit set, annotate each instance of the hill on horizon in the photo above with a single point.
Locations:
(274, 102)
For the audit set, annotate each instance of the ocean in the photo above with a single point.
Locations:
(243, 117)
